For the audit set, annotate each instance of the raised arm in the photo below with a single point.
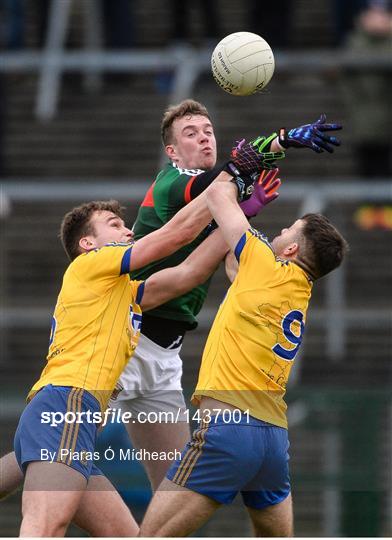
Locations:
(196, 269)
(315, 136)
(179, 231)
(231, 266)
(185, 225)
(222, 202)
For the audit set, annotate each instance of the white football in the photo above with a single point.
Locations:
(242, 63)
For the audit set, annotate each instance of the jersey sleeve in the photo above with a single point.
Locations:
(254, 246)
(103, 266)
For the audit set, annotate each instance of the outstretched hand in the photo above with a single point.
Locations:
(265, 191)
(250, 158)
(312, 136)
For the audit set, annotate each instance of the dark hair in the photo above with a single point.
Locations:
(77, 223)
(186, 107)
(324, 247)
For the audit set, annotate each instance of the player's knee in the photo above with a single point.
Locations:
(149, 529)
(273, 521)
(271, 530)
(11, 477)
(42, 526)
(41, 522)
(54, 530)
(147, 532)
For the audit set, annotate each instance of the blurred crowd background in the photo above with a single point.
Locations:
(83, 85)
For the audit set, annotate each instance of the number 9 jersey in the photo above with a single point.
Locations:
(256, 333)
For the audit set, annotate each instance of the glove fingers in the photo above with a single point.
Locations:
(273, 187)
(268, 176)
(262, 177)
(322, 144)
(322, 119)
(334, 141)
(237, 147)
(329, 127)
(327, 138)
(316, 147)
(271, 198)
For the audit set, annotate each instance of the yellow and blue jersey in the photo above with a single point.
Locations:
(96, 323)
(256, 333)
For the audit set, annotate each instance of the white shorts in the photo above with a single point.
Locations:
(151, 381)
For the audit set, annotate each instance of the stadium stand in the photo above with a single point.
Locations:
(340, 405)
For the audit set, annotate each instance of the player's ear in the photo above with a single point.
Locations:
(291, 250)
(171, 152)
(87, 243)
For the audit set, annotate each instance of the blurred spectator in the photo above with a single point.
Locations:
(13, 25)
(118, 18)
(41, 13)
(181, 32)
(368, 92)
(2, 122)
(12, 36)
(368, 99)
(118, 31)
(272, 21)
(344, 15)
(181, 16)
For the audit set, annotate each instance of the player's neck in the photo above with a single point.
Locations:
(304, 266)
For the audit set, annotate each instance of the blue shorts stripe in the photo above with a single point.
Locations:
(74, 437)
(192, 455)
(196, 456)
(223, 459)
(70, 440)
(68, 427)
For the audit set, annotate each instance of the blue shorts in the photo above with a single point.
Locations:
(222, 459)
(70, 443)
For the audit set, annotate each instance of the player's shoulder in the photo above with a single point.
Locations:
(252, 242)
(260, 242)
(258, 239)
(252, 232)
(116, 244)
(172, 171)
(105, 252)
(108, 247)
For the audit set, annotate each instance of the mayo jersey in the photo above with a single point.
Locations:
(96, 323)
(256, 333)
(168, 194)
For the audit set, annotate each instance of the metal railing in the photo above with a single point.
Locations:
(186, 63)
(335, 317)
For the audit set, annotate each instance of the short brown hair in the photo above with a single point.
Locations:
(324, 248)
(186, 107)
(77, 223)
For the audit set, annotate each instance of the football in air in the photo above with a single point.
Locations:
(242, 63)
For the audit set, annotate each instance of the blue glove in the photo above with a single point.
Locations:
(311, 136)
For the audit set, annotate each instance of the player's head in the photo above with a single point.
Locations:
(188, 135)
(91, 226)
(314, 243)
